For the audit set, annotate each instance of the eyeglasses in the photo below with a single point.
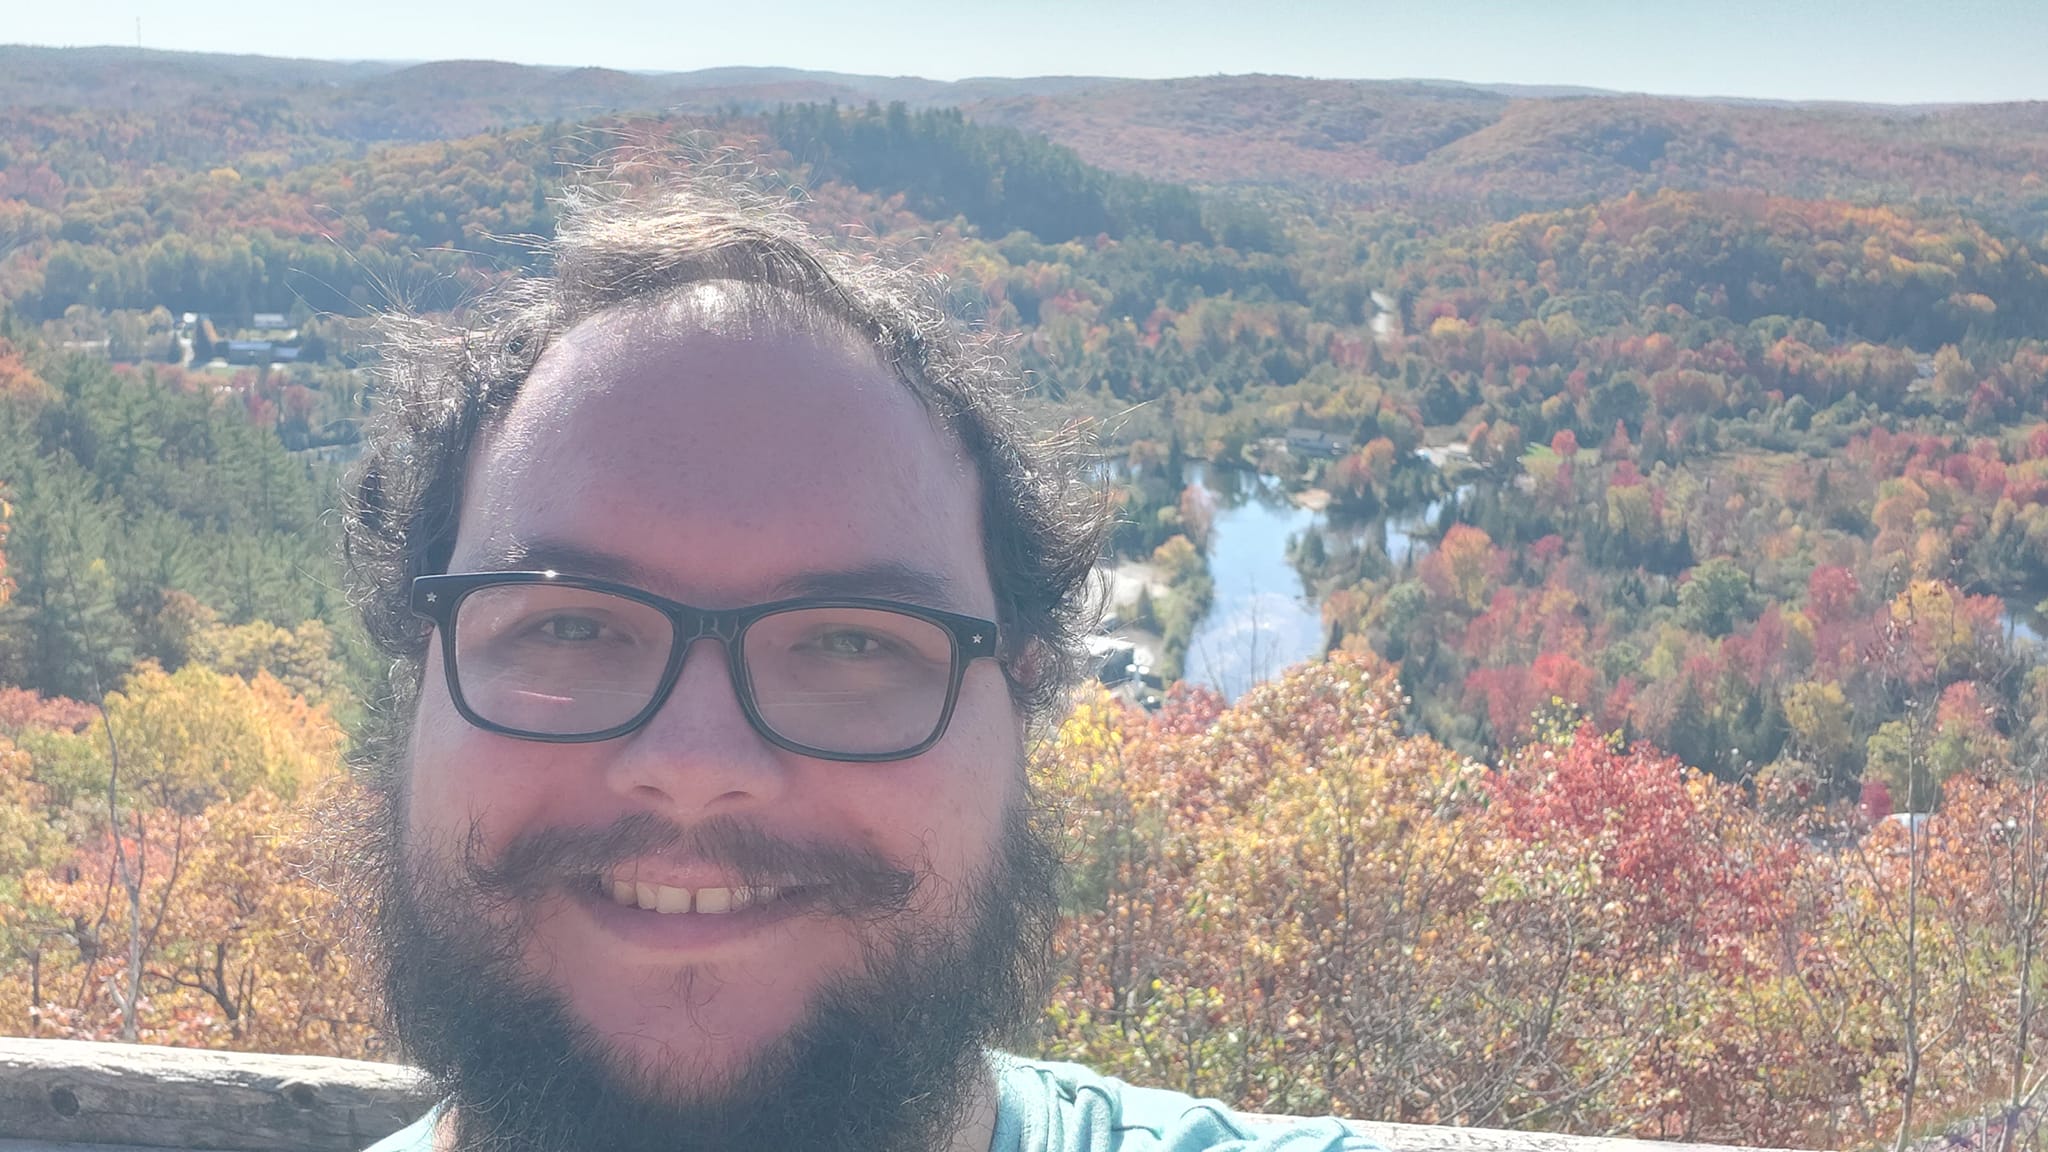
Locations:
(569, 660)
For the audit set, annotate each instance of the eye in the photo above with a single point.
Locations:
(849, 643)
(572, 628)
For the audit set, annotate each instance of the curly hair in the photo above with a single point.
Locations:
(442, 385)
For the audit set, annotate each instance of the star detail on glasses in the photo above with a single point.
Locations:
(976, 638)
(433, 596)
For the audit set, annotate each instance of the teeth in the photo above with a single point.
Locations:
(673, 901)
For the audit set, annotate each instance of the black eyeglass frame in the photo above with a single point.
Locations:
(437, 598)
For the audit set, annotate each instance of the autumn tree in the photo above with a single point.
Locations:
(168, 897)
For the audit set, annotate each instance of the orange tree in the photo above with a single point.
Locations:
(1258, 893)
(158, 858)
(1291, 905)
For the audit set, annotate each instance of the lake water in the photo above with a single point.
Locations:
(2022, 627)
(1407, 537)
(1261, 619)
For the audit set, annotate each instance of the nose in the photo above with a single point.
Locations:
(698, 756)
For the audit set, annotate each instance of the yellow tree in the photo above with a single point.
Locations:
(300, 658)
(251, 953)
(1463, 570)
(154, 805)
(1262, 891)
(28, 843)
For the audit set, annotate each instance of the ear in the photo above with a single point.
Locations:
(1029, 667)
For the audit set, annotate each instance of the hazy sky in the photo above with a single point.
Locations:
(1879, 50)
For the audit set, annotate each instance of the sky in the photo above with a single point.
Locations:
(1888, 51)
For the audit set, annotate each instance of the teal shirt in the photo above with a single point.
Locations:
(1048, 1107)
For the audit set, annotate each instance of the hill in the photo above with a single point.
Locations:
(1418, 140)
(1502, 148)
(1711, 426)
(388, 100)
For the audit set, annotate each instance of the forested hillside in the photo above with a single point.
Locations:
(1689, 748)
(1456, 144)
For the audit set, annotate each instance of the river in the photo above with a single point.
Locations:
(1262, 620)
(2023, 627)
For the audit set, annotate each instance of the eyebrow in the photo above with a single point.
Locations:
(887, 580)
(882, 580)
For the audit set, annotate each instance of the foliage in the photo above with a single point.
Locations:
(1189, 589)
(1001, 180)
(1752, 474)
(194, 798)
(1290, 904)
(139, 508)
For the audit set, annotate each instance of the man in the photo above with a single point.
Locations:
(722, 590)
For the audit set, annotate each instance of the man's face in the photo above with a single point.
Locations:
(720, 463)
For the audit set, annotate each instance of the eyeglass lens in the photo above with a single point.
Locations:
(556, 661)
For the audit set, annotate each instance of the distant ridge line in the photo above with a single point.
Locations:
(908, 87)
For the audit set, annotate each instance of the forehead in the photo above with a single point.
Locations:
(719, 449)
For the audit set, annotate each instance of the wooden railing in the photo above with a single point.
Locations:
(63, 1093)
(71, 1096)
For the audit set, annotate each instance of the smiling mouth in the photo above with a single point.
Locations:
(669, 900)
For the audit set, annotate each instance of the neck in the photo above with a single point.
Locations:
(977, 1131)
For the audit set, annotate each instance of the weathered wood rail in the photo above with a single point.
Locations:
(64, 1093)
(72, 1096)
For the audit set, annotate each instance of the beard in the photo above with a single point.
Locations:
(887, 1056)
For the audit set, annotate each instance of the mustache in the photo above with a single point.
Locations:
(847, 881)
